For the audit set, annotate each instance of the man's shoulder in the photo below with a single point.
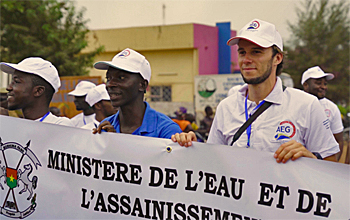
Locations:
(89, 126)
(328, 102)
(111, 118)
(60, 120)
(160, 116)
(65, 121)
(299, 96)
(77, 117)
(230, 102)
(234, 90)
(161, 119)
(160, 122)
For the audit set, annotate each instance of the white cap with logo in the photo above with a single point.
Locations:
(37, 66)
(130, 61)
(97, 94)
(82, 88)
(315, 73)
(259, 32)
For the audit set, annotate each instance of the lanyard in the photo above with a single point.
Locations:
(84, 120)
(42, 119)
(249, 129)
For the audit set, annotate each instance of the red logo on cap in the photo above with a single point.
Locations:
(124, 53)
(254, 25)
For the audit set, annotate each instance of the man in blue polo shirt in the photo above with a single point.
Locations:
(128, 75)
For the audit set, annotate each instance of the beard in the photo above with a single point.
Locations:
(259, 79)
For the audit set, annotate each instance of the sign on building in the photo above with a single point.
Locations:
(211, 89)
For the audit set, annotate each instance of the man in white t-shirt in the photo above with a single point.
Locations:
(293, 126)
(79, 93)
(100, 101)
(34, 81)
(314, 81)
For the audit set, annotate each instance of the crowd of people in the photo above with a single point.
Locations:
(262, 114)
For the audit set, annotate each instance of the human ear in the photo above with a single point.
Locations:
(38, 91)
(98, 105)
(306, 86)
(143, 85)
(278, 58)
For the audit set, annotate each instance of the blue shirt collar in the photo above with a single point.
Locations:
(148, 122)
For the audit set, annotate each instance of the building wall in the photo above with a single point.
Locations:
(143, 38)
(206, 42)
(234, 55)
(169, 49)
(176, 68)
(177, 53)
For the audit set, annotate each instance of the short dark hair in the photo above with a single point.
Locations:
(49, 90)
(207, 109)
(276, 50)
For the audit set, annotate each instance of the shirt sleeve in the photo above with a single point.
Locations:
(170, 130)
(215, 134)
(336, 123)
(318, 136)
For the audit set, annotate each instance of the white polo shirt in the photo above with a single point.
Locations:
(80, 119)
(234, 89)
(294, 115)
(53, 119)
(333, 114)
(91, 125)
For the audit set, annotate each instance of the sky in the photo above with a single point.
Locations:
(105, 14)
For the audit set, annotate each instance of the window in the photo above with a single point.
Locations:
(161, 93)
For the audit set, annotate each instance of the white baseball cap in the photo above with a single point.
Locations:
(36, 66)
(315, 73)
(97, 94)
(130, 61)
(82, 88)
(259, 32)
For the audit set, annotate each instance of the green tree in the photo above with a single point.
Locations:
(50, 29)
(320, 37)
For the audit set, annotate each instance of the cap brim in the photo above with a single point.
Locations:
(232, 41)
(77, 93)
(329, 76)
(263, 43)
(104, 65)
(10, 68)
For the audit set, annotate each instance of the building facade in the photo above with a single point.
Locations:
(177, 53)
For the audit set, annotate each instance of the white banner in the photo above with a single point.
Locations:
(54, 172)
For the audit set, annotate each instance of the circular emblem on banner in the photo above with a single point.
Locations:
(20, 180)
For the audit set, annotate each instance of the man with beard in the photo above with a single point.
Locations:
(293, 124)
(34, 81)
(128, 75)
(314, 81)
(79, 93)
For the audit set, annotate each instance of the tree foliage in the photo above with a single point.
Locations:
(321, 37)
(52, 29)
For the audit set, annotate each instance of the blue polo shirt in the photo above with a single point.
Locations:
(154, 124)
